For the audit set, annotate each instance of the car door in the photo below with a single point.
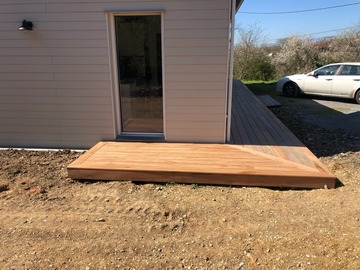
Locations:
(320, 81)
(346, 81)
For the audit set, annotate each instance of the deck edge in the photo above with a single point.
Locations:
(204, 178)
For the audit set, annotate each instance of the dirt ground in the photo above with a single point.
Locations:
(49, 221)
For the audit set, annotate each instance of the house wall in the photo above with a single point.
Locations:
(55, 82)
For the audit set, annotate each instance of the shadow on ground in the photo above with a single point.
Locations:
(326, 125)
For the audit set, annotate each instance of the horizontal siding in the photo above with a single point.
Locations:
(189, 60)
(55, 84)
(197, 77)
(200, 125)
(52, 123)
(44, 129)
(41, 140)
(197, 33)
(55, 115)
(85, 34)
(200, 51)
(88, 68)
(178, 109)
(49, 108)
(200, 103)
(195, 69)
(54, 52)
(195, 136)
(196, 24)
(193, 93)
(51, 17)
(194, 118)
(96, 43)
(194, 42)
(35, 100)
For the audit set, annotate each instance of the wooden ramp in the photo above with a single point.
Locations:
(263, 152)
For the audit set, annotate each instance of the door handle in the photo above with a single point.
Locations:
(356, 80)
(329, 79)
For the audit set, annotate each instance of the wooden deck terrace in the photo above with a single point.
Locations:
(262, 152)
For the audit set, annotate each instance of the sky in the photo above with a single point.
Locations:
(282, 25)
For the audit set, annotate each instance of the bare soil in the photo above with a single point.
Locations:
(49, 221)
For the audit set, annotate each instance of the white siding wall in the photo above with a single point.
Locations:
(55, 83)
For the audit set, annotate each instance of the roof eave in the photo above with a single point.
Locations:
(238, 4)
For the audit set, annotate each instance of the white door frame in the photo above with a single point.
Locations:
(114, 69)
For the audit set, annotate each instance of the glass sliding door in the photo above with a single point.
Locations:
(139, 56)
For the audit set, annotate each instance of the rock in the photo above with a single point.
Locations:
(100, 220)
(4, 185)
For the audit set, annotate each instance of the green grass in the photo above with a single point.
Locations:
(8, 175)
(262, 87)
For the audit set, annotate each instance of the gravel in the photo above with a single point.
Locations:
(321, 135)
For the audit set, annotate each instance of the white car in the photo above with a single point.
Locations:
(336, 80)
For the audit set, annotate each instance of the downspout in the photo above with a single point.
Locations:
(231, 69)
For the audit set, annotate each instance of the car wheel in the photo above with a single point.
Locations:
(357, 96)
(291, 89)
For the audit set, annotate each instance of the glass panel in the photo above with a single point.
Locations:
(330, 70)
(350, 70)
(140, 73)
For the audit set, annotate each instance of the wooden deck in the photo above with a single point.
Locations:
(262, 152)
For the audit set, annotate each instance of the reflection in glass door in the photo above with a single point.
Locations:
(138, 45)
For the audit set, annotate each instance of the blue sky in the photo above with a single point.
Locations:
(283, 25)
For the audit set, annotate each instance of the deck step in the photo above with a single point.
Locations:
(269, 101)
(220, 164)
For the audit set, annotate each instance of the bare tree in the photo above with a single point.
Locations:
(250, 59)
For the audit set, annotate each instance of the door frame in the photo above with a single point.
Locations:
(115, 95)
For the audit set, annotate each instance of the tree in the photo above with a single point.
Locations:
(297, 54)
(251, 61)
(346, 46)
(255, 60)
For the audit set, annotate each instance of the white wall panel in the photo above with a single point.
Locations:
(55, 82)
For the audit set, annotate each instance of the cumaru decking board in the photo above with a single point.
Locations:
(263, 152)
(264, 128)
(193, 163)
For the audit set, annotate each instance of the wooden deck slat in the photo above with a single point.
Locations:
(253, 130)
(263, 152)
(218, 158)
(247, 163)
(248, 134)
(276, 133)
